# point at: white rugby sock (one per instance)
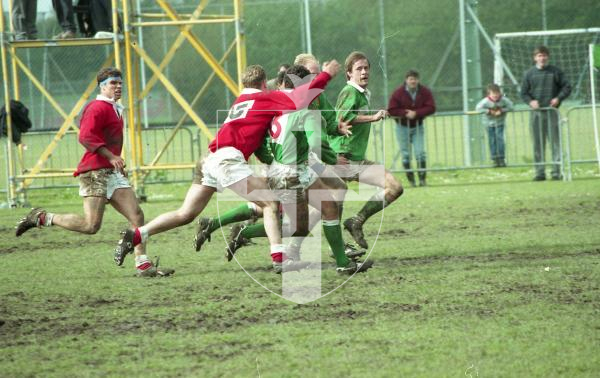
(48, 220)
(144, 234)
(142, 262)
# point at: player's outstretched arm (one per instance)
(332, 67)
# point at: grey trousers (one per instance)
(545, 127)
(24, 14)
(64, 14)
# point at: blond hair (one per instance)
(304, 59)
(254, 76)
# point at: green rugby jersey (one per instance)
(351, 102)
(293, 135)
(327, 112)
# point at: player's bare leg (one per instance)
(89, 223)
(268, 202)
(125, 202)
(195, 201)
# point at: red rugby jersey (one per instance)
(99, 126)
(251, 114)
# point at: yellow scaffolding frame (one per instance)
(18, 183)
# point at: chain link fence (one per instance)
(397, 36)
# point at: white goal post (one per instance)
(568, 50)
(594, 56)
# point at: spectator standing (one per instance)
(101, 14)
(66, 20)
(24, 14)
(410, 104)
(494, 107)
(545, 86)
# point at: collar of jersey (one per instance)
(110, 101)
(250, 91)
(358, 87)
(116, 106)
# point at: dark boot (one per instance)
(410, 175)
(422, 173)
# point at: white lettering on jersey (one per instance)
(239, 110)
(276, 127)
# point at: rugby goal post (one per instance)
(568, 50)
(575, 51)
(594, 56)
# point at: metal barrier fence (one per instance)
(580, 144)
(185, 148)
(457, 141)
(454, 141)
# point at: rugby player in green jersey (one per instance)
(291, 137)
(353, 107)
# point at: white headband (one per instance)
(109, 79)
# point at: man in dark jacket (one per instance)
(410, 104)
(545, 86)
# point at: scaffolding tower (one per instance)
(128, 55)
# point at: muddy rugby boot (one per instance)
(124, 246)
(354, 267)
(351, 251)
(150, 269)
(354, 227)
(203, 233)
(289, 265)
(236, 241)
(30, 221)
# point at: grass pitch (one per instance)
(496, 278)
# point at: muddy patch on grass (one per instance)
(226, 350)
(26, 247)
(397, 233)
(227, 320)
(483, 258)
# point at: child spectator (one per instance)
(494, 108)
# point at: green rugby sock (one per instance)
(238, 214)
(374, 205)
(254, 231)
(333, 234)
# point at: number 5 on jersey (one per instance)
(239, 110)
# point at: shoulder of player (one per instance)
(348, 91)
(96, 106)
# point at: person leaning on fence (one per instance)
(545, 86)
(102, 178)
(494, 107)
(410, 104)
